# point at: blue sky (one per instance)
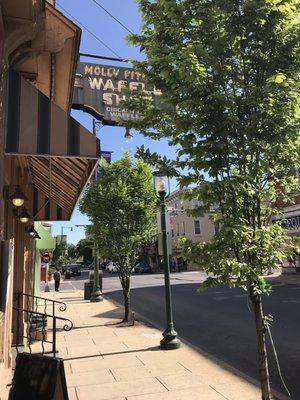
(114, 35)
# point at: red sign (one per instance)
(46, 258)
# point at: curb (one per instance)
(235, 371)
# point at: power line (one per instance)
(112, 16)
(90, 32)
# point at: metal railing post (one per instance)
(54, 337)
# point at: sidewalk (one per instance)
(104, 361)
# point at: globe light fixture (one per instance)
(18, 197)
(161, 184)
(24, 217)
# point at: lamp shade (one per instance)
(24, 217)
(128, 135)
(161, 184)
(18, 197)
(32, 232)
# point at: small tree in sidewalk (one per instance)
(122, 207)
(229, 76)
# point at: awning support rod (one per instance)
(103, 57)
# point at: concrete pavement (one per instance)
(105, 361)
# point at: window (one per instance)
(195, 204)
(183, 228)
(177, 229)
(172, 232)
(197, 227)
(217, 228)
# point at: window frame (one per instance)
(195, 221)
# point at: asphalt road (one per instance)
(219, 321)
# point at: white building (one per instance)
(180, 224)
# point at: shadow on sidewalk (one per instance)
(219, 324)
(116, 313)
(155, 348)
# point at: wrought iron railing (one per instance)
(36, 321)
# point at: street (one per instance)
(219, 321)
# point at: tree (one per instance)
(84, 248)
(59, 253)
(229, 74)
(122, 207)
(71, 252)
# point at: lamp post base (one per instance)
(170, 341)
(96, 296)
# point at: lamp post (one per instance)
(170, 340)
(96, 294)
(62, 235)
(62, 231)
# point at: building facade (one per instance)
(45, 154)
(291, 212)
(181, 224)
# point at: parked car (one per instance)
(85, 265)
(111, 268)
(72, 270)
(141, 268)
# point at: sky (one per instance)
(90, 15)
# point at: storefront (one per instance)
(44, 153)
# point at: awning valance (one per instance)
(59, 153)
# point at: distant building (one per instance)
(291, 211)
(180, 224)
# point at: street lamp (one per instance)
(128, 135)
(18, 197)
(62, 231)
(170, 340)
(24, 217)
(96, 294)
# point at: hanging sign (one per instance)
(106, 155)
(99, 90)
(293, 223)
(46, 258)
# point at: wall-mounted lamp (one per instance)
(18, 197)
(128, 135)
(31, 231)
(24, 217)
(36, 236)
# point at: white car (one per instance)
(111, 267)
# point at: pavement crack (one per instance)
(162, 383)
(140, 360)
(219, 392)
(76, 394)
(113, 375)
(185, 367)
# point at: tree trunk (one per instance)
(261, 346)
(126, 295)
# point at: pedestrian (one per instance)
(174, 264)
(56, 276)
(179, 264)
